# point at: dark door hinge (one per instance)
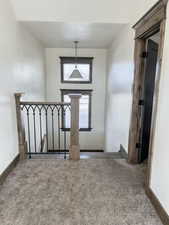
(144, 55)
(138, 145)
(141, 102)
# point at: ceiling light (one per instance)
(76, 73)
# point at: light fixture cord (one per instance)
(76, 42)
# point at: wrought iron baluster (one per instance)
(53, 131)
(59, 108)
(46, 116)
(35, 131)
(40, 127)
(28, 123)
(34, 127)
(64, 126)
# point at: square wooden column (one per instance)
(74, 151)
(20, 127)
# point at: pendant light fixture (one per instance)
(76, 73)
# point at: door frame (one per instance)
(149, 24)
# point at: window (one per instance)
(84, 65)
(85, 109)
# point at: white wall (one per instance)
(21, 70)
(95, 138)
(160, 164)
(119, 85)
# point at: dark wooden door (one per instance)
(148, 94)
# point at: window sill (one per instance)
(81, 129)
(76, 82)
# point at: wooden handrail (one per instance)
(44, 103)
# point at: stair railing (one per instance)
(39, 124)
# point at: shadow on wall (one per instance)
(119, 86)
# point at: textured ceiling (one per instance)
(62, 35)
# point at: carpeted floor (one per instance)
(88, 192)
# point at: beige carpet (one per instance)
(88, 192)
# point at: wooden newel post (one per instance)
(21, 129)
(74, 151)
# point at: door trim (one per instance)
(151, 19)
(151, 22)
